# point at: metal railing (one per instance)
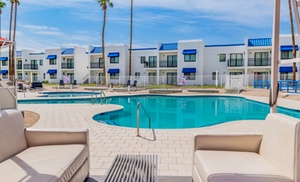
(102, 97)
(67, 65)
(259, 62)
(96, 65)
(93, 99)
(167, 64)
(138, 119)
(235, 63)
(30, 66)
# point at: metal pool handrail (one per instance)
(102, 98)
(138, 119)
(92, 97)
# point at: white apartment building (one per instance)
(200, 64)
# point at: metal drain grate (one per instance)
(133, 168)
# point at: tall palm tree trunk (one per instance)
(130, 49)
(293, 39)
(9, 37)
(103, 46)
(14, 40)
(0, 21)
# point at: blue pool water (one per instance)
(167, 112)
(66, 94)
(173, 112)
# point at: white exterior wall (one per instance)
(122, 65)
(199, 64)
(81, 64)
(47, 66)
(137, 66)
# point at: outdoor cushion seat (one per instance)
(28, 154)
(270, 156)
(49, 163)
(222, 166)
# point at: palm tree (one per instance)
(9, 37)
(130, 49)
(16, 3)
(2, 5)
(104, 4)
(293, 39)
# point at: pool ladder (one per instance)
(102, 97)
(138, 120)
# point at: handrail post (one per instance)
(138, 120)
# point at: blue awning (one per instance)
(286, 69)
(3, 58)
(113, 71)
(4, 72)
(189, 70)
(113, 54)
(51, 71)
(288, 48)
(189, 51)
(51, 57)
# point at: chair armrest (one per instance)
(38, 137)
(232, 142)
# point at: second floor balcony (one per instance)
(67, 65)
(235, 62)
(167, 64)
(30, 66)
(96, 65)
(259, 62)
(19, 66)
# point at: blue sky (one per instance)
(65, 23)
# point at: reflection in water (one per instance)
(186, 112)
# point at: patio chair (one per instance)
(61, 83)
(272, 155)
(128, 83)
(21, 87)
(74, 82)
(134, 83)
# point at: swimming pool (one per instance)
(169, 112)
(67, 94)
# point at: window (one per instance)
(152, 62)
(172, 61)
(41, 62)
(44, 76)
(222, 58)
(114, 60)
(286, 54)
(100, 62)
(4, 63)
(20, 76)
(137, 75)
(114, 76)
(236, 59)
(70, 63)
(52, 61)
(189, 57)
(261, 58)
(190, 76)
(286, 76)
(53, 75)
(214, 75)
(235, 73)
(5, 76)
(143, 59)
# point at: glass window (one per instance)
(261, 58)
(5, 76)
(286, 54)
(52, 61)
(114, 59)
(189, 57)
(53, 75)
(20, 76)
(236, 59)
(114, 76)
(214, 75)
(137, 75)
(100, 62)
(143, 59)
(152, 61)
(4, 63)
(190, 76)
(222, 58)
(44, 76)
(286, 76)
(41, 62)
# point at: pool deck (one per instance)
(173, 147)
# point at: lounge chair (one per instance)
(21, 87)
(272, 155)
(134, 83)
(61, 83)
(127, 84)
